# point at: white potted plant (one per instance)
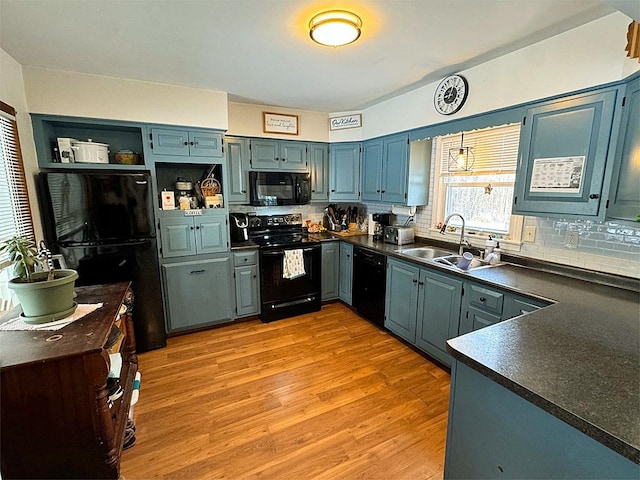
(45, 295)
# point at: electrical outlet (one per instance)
(571, 240)
(530, 234)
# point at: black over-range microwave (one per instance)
(279, 188)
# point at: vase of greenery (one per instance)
(45, 295)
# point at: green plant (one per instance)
(24, 255)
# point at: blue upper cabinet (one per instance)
(391, 175)
(117, 135)
(319, 168)
(564, 150)
(372, 170)
(394, 169)
(624, 198)
(344, 167)
(268, 155)
(186, 142)
(237, 155)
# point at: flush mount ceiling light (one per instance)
(335, 28)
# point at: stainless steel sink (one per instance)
(453, 260)
(426, 253)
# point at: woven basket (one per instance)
(210, 186)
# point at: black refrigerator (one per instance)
(103, 226)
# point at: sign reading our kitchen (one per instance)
(345, 121)
(279, 123)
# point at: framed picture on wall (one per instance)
(279, 123)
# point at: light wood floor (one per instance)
(324, 395)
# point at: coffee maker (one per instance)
(378, 222)
(239, 227)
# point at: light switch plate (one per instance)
(530, 233)
(571, 240)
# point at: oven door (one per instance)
(286, 297)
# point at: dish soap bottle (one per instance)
(498, 252)
(489, 246)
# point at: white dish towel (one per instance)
(293, 264)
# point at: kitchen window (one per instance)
(482, 194)
(15, 213)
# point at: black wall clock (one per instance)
(451, 94)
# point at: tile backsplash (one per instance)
(611, 246)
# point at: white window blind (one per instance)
(484, 194)
(15, 212)
(495, 150)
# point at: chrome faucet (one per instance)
(462, 239)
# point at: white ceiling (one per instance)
(259, 51)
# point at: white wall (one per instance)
(12, 92)
(246, 120)
(590, 55)
(82, 95)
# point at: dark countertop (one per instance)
(578, 359)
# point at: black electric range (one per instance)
(290, 266)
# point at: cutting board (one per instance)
(347, 233)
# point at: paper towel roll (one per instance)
(406, 211)
(371, 225)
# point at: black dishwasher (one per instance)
(369, 284)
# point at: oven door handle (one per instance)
(280, 252)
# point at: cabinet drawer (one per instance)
(488, 300)
(245, 258)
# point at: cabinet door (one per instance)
(346, 272)
(293, 156)
(330, 270)
(564, 146)
(477, 319)
(170, 141)
(205, 144)
(197, 293)
(265, 155)
(247, 291)
(402, 299)
(344, 183)
(624, 199)
(211, 233)
(439, 299)
(394, 169)
(515, 306)
(319, 167)
(371, 171)
(177, 237)
(237, 154)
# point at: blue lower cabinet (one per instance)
(247, 282)
(423, 307)
(484, 306)
(247, 290)
(330, 270)
(346, 272)
(494, 433)
(197, 293)
(401, 302)
(439, 301)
